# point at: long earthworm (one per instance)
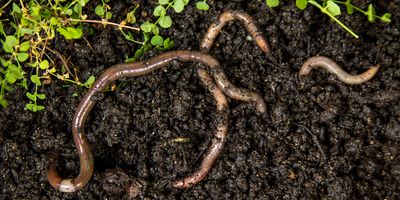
(134, 69)
(331, 66)
(205, 46)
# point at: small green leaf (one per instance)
(30, 106)
(301, 4)
(165, 21)
(108, 15)
(90, 81)
(157, 40)
(22, 57)
(78, 9)
(99, 10)
(159, 11)
(202, 5)
(76, 33)
(24, 46)
(36, 80)
(130, 17)
(68, 12)
(44, 64)
(15, 71)
(26, 31)
(35, 12)
(272, 3)
(371, 13)
(39, 108)
(178, 6)
(332, 8)
(386, 18)
(155, 30)
(146, 27)
(4, 62)
(41, 96)
(64, 33)
(30, 96)
(9, 44)
(168, 44)
(10, 77)
(163, 2)
(54, 21)
(70, 32)
(24, 84)
(16, 9)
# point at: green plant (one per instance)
(102, 10)
(332, 9)
(36, 23)
(202, 5)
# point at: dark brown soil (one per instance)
(320, 139)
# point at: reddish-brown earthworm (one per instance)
(134, 69)
(219, 76)
(331, 66)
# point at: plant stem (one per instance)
(104, 23)
(323, 10)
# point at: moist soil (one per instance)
(320, 138)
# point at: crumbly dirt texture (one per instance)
(320, 138)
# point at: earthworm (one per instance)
(217, 143)
(331, 66)
(134, 69)
(219, 76)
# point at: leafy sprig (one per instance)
(36, 24)
(332, 9)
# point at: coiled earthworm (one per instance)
(219, 76)
(140, 68)
(331, 66)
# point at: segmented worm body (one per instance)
(331, 66)
(134, 69)
(219, 76)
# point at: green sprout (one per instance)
(332, 9)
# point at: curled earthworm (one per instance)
(134, 69)
(331, 66)
(219, 76)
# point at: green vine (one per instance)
(332, 9)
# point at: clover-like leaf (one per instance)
(272, 3)
(22, 57)
(24, 46)
(202, 5)
(159, 11)
(386, 18)
(371, 13)
(332, 8)
(31, 96)
(99, 10)
(157, 40)
(165, 22)
(178, 6)
(44, 64)
(36, 80)
(301, 4)
(146, 27)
